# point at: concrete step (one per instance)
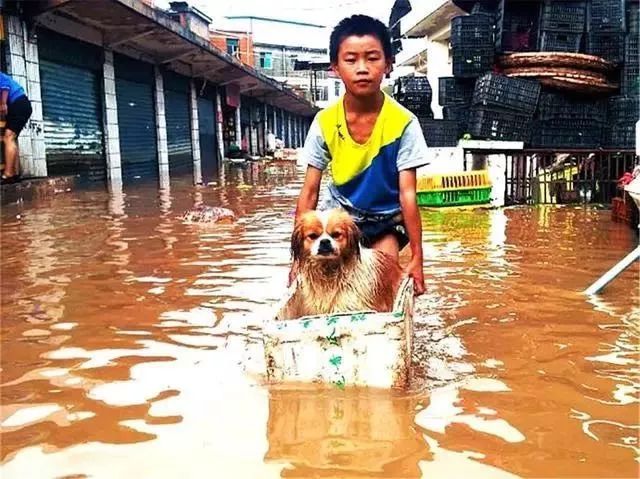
(36, 188)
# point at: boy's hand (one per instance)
(414, 270)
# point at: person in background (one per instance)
(15, 109)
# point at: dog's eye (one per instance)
(313, 236)
(336, 235)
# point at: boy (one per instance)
(372, 147)
(16, 108)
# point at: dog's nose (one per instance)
(324, 247)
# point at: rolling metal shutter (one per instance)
(270, 125)
(137, 119)
(279, 124)
(207, 126)
(72, 106)
(287, 136)
(176, 103)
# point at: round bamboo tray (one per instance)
(555, 59)
(578, 85)
(550, 72)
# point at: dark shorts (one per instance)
(373, 230)
(18, 114)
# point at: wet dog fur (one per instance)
(335, 273)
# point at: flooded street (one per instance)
(131, 345)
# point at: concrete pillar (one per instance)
(24, 66)
(253, 144)
(284, 140)
(497, 165)
(275, 122)
(195, 134)
(161, 130)
(238, 126)
(297, 123)
(219, 133)
(111, 130)
(265, 128)
(289, 131)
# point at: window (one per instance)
(336, 87)
(232, 46)
(321, 93)
(265, 60)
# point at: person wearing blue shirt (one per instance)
(15, 108)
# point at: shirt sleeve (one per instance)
(413, 147)
(315, 151)
(4, 82)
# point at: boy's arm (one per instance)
(413, 225)
(308, 199)
(316, 156)
(413, 154)
(4, 97)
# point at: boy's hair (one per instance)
(359, 25)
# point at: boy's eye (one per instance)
(313, 236)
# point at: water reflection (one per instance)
(332, 433)
(132, 344)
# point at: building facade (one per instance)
(236, 44)
(427, 50)
(124, 92)
(278, 44)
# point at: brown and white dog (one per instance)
(335, 273)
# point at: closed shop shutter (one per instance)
(287, 137)
(176, 107)
(270, 125)
(279, 124)
(136, 116)
(72, 107)
(207, 127)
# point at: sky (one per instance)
(323, 12)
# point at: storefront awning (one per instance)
(133, 28)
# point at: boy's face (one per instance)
(361, 64)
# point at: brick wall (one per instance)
(245, 44)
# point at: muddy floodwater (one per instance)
(131, 345)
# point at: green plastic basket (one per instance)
(467, 196)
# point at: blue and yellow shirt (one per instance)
(364, 178)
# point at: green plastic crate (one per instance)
(467, 196)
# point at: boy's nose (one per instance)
(362, 66)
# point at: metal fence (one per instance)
(578, 176)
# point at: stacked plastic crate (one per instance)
(606, 30)
(454, 95)
(563, 26)
(517, 26)
(503, 108)
(568, 121)
(414, 93)
(623, 109)
(472, 45)
(455, 189)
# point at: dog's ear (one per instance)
(297, 241)
(354, 236)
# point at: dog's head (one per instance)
(325, 236)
